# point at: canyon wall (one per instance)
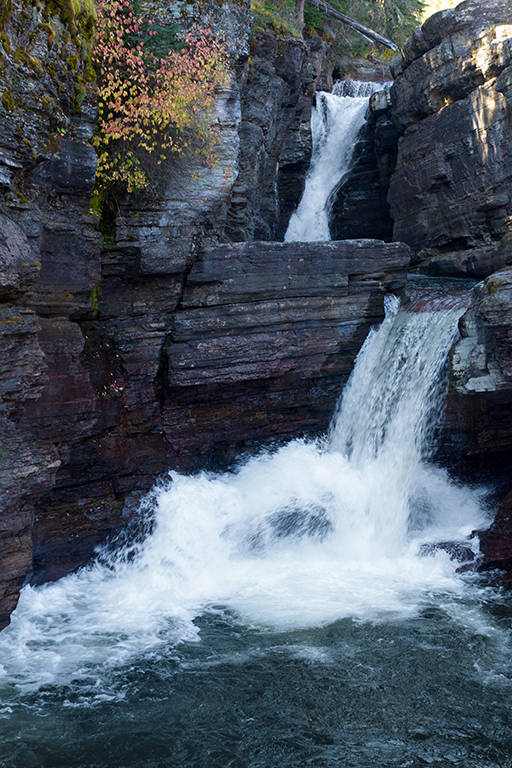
(451, 200)
(179, 334)
(155, 341)
(49, 259)
(450, 195)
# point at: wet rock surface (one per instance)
(496, 543)
(478, 416)
(264, 338)
(360, 207)
(451, 200)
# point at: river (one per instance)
(293, 612)
(312, 607)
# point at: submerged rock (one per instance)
(496, 543)
(455, 549)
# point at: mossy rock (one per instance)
(5, 42)
(5, 12)
(7, 100)
(24, 58)
(76, 15)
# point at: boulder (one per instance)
(496, 542)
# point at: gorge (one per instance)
(289, 592)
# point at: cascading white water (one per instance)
(335, 123)
(301, 537)
(382, 421)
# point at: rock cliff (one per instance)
(450, 196)
(166, 345)
(451, 200)
(49, 262)
(360, 208)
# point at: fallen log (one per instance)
(368, 33)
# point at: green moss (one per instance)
(24, 58)
(72, 62)
(5, 42)
(266, 16)
(49, 30)
(95, 297)
(89, 74)
(51, 70)
(79, 16)
(7, 100)
(79, 92)
(5, 12)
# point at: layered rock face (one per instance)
(496, 543)
(273, 99)
(450, 196)
(48, 253)
(264, 337)
(295, 152)
(451, 199)
(360, 208)
(168, 346)
(479, 408)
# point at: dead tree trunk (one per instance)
(300, 13)
(330, 11)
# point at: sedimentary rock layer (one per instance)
(450, 196)
(479, 416)
(264, 337)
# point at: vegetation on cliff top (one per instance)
(393, 19)
(156, 95)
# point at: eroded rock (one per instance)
(264, 338)
(450, 195)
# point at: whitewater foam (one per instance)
(309, 534)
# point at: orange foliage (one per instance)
(149, 107)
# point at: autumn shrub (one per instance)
(152, 104)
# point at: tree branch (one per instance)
(330, 11)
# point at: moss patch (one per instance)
(24, 58)
(7, 100)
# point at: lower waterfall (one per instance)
(293, 612)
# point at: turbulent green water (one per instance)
(431, 690)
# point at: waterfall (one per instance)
(300, 537)
(336, 120)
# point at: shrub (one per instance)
(151, 105)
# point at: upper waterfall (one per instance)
(336, 120)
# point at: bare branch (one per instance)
(368, 33)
